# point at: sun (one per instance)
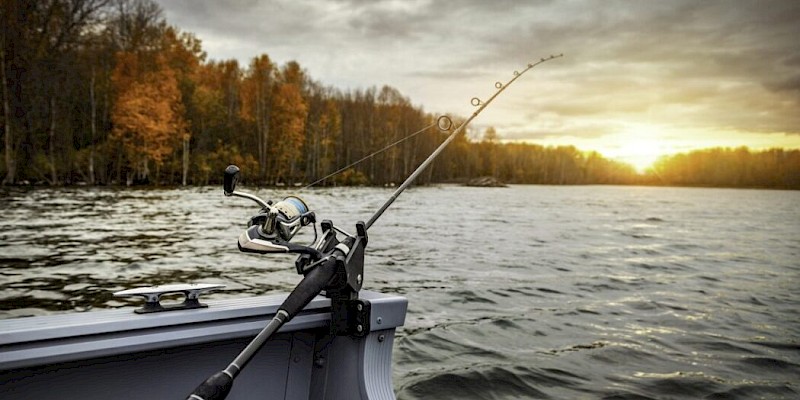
(641, 154)
(634, 143)
(640, 146)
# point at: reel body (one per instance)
(281, 221)
(329, 265)
(272, 229)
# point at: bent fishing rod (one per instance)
(327, 264)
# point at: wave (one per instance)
(487, 381)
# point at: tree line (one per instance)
(729, 167)
(106, 92)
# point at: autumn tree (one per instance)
(99, 91)
(288, 123)
(38, 45)
(182, 53)
(358, 113)
(208, 120)
(330, 130)
(148, 115)
(322, 131)
(257, 94)
(134, 26)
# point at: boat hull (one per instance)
(117, 354)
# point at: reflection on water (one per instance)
(529, 291)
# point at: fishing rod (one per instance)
(327, 264)
(475, 102)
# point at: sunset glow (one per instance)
(638, 80)
(638, 150)
(639, 147)
(642, 145)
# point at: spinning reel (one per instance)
(327, 265)
(273, 227)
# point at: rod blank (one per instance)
(482, 105)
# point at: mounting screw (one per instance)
(359, 278)
(380, 320)
(360, 328)
(360, 307)
(381, 338)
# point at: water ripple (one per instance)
(535, 292)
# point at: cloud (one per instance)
(790, 84)
(687, 64)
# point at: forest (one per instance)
(107, 92)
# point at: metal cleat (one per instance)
(152, 296)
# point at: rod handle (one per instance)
(313, 283)
(216, 387)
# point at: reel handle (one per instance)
(230, 180)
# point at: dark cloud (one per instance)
(790, 84)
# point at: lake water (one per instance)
(521, 292)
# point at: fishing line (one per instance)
(329, 264)
(476, 102)
(340, 170)
(444, 123)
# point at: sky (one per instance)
(639, 79)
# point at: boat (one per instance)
(326, 339)
(119, 354)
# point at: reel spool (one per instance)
(282, 220)
(286, 217)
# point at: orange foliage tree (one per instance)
(328, 127)
(289, 112)
(257, 89)
(147, 115)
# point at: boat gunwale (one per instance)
(35, 341)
